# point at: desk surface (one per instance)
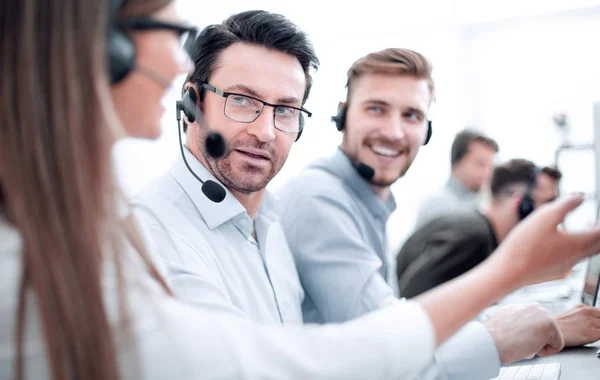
(580, 363)
(577, 363)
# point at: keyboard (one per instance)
(549, 371)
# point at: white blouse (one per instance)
(174, 340)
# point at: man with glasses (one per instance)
(251, 79)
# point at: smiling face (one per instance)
(386, 123)
(257, 150)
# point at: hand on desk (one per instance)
(522, 331)
(580, 325)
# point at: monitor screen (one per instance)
(590, 287)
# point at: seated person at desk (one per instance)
(80, 296)
(232, 255)
(334, 214)
(472, 159)
(452, 244)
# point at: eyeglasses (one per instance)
(187, 34)
(246, 109)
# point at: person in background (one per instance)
(472, 160)
(455, 243)
(81, 297)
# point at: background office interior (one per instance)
(504, 67)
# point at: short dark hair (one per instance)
(516, 172)
(262, 28)
(464, 139)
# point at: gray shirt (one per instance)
(454, 196)
(335, 225)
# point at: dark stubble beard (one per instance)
(222, 167)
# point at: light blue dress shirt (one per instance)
(335, 225)
(210, 254)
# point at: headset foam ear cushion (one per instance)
(301, 122)
(189, 104)
(121, 55)
(340, 118)
(429, 132)
(525, 207)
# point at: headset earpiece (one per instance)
(429, 131)
(189, 103)
(340, 118)
(120, 48)
(526, 206)
(301, 121)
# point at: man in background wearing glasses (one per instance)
(252, 78)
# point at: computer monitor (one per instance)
(592, 282)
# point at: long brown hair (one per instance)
(57, 128)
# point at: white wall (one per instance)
(521, 72)
(504, 69)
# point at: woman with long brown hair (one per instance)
(80, 297)
(58, 129)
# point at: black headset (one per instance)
(190, 102)
(340, 122)
(527, 204)
(120, 47)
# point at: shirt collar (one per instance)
(340, 165)
(458, 188)
(214, 214)
(269, 206)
